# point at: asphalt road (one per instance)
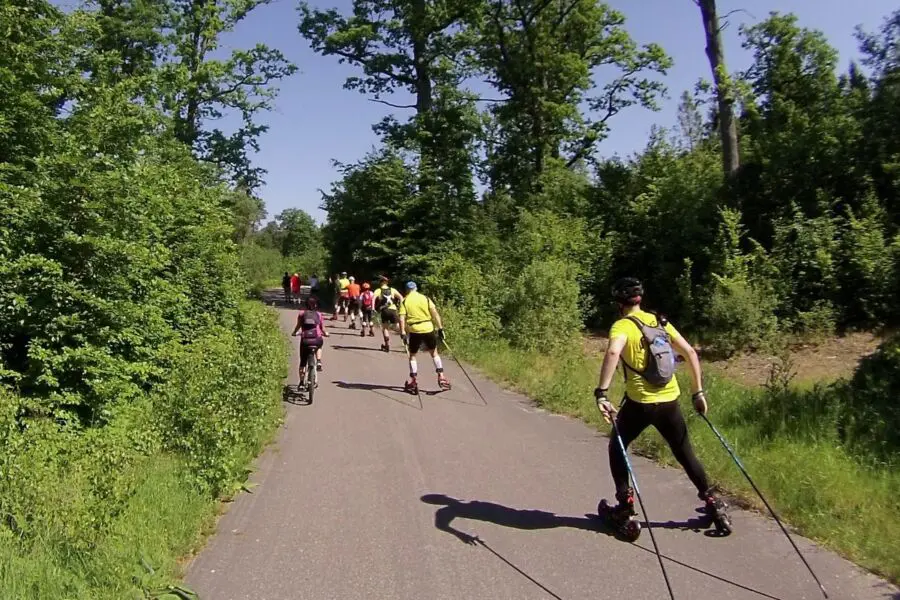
(369, 493)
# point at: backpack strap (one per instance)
(625, 366)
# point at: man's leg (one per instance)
(669, 421)
(631, 421)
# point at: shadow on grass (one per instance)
(531, 519)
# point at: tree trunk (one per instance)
(724, 96)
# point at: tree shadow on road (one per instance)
(532, 519)
(292, 394)
(376, 388)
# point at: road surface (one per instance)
(369, 493)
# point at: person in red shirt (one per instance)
(353, 292)
(295, 287)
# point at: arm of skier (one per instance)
(607, 370)
(690, 355)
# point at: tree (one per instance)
(200, 89)
(543, 57)
(417, 48)
(724, 89)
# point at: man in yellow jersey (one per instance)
(387, 301)
(418, 316)
(646, 344)
(342, 302)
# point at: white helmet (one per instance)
(352, 278)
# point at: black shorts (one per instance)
(307, 347)
(367, 314)
(389, 316)
(342, 301)
(354, 304)
(417, 339)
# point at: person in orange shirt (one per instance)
(353, 291)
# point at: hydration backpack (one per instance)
(386, 300)
(310, 324)
(368, 299)
(660, 367)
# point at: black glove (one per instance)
(441, 335)
(700, 402)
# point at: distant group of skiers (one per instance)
(413, 314)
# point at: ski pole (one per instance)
(637, 492)
(740, 465)
(461, 368)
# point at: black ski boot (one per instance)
(385, 347)
(718, 510)
(622, 516)
(411, 386)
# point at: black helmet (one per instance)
(627, 290)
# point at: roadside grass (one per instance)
(112, 513)
(849, 502)
(139, 551)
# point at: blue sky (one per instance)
(316, 120)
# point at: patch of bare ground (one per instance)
(832, 359)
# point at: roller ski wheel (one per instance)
(718, 510)
(624, 524)
(411, 387)
(444, 383)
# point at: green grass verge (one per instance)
(161, 522)
(844, 502)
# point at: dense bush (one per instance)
(129, 361)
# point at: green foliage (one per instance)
(541, 310)
(135, 384)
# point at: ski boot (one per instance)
(385, 347)
(443, 382)
(718, 510)
(411, 386)
(352, 324)
(371, 331)
(362, 332)
(621, 517)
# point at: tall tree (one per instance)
(207, 88)
(415, 48)
(725, 94)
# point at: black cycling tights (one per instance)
(666, 417)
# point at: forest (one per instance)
(139, 376)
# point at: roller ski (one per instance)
(411, 386)
(621, 518)
(362, 332)
(717, 509)
(443, 382)
(385, 347)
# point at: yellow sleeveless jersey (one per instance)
(416, 308)
(635, 356)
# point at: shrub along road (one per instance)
(369, 493)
